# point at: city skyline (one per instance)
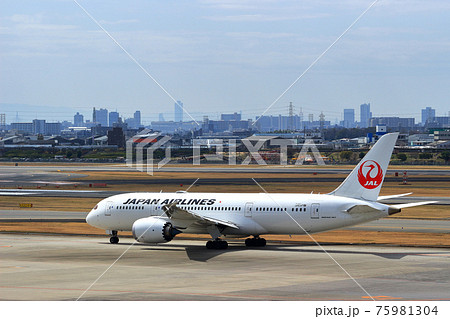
(358, 116)
(224, 56)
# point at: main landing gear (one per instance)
(217, 244)
(256, 241)
(114, 239)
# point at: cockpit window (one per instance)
(96, 206)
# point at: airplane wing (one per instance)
(184, 217)
(392, 196)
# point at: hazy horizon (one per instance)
(224, 56)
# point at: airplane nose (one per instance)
(92, 217)
(89, 218)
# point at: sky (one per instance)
(222, 56)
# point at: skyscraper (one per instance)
(78, 120)
(113, 118)
(365, 114)
(428, 114)
(100, 117)
(137, 119)
(349, 118)
(2, 121)
(178, 112)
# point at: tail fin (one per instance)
(365, 181)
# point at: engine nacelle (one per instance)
(153, 230)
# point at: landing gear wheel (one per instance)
(114, 240)
(217, 244)
(255, 242)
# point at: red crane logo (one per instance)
(370, 174)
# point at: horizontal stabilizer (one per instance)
(392, 196)
(400, 206)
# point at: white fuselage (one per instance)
(255, 214)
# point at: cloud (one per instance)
(236, 4)
(119, 22)
(26, 18)
(265, 17)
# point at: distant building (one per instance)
(52, 129)
(78, 120)
(116, 137)
(172, 127)
(225, 126)
(230, 117)
(439, 122)
(137, 119)
(442, 135)
(428, 114)
(22, 127)
(113, 118)
(271, 123)
(178, 113)
(100, 117)
(365, 115)
(2, 121)
(396, 123)
(349, 118)
(161, 117)
(381, 129)
(131, 122)
(38, 127)
(66, 124)
(282, 123)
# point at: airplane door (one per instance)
(315, 211)
(109, 207)
(248, 210)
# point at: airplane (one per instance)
(158, 217)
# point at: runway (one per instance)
(38, 267)
(437, 226)
(7, 216)
(32, 176)
(278, 169)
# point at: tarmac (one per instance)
(46, 267)
(71, 267)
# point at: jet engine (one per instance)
(154, 230)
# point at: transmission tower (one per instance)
(291, 116)
(2, 121)
(322, 122)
